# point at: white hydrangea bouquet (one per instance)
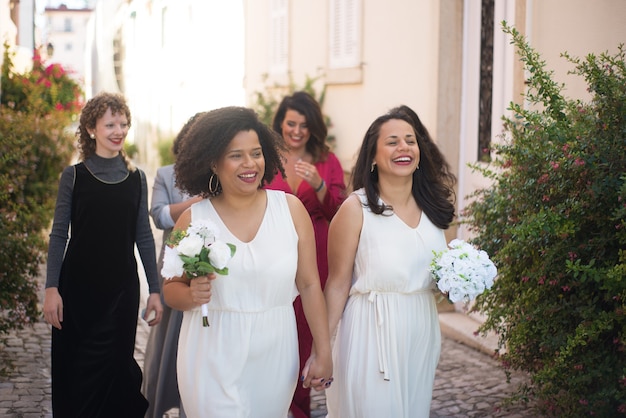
(197, 252)
(462, 271)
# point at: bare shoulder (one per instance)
(352, 206)
(350, 213)
(296, 207)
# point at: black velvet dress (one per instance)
(94, 373)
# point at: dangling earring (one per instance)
(214, 184)
(92, 136)
(373, 166)
(418, 167)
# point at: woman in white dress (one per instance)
(245, 364)
(379, 293)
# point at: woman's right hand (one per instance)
(201, 289)
(53, 307)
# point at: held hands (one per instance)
(317, 372)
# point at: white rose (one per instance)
(190, 245)
(172, 264)
(219, 254)
(205, 228)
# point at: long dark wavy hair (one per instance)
(303, 103)
(433, 183)
(93, 110)
(206, 142)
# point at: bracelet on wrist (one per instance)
(319, 188)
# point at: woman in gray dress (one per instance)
(160, 385)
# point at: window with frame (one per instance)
(279, 37)
(345, 34)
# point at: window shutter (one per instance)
(345, 34)
(278, 37)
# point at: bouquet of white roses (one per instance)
(196, 252)
(462, 271)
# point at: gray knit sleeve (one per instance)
(60, 227)
(145, 239)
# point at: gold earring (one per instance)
(214, 184)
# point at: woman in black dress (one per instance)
(92, 287)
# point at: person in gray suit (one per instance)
(160, 385)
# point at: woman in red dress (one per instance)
(315, 176)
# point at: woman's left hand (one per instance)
(309, 173)
(154, 304)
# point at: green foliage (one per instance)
(554, 222)
(44, 89)
(35, 146)
(131, 149)
(165, 152)
(266, 102)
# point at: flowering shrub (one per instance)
(554, 222)
(46, 88)
(36, 145)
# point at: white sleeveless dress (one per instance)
(388, 341)
(245, 364)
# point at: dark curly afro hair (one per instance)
(206, 142)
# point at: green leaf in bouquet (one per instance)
(175, 237)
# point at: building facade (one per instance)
(447, 59)
(170, 58)
(17, 30)
(63, 38)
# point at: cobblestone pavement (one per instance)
(468, 382)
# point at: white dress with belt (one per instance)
(388, 341)
(245, 364)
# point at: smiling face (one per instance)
(110, 132)
(242, 166)
(295, 130)
(397, 152)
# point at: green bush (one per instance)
(44, 89)
(36, 145)
(554, 222)
(165, 151)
